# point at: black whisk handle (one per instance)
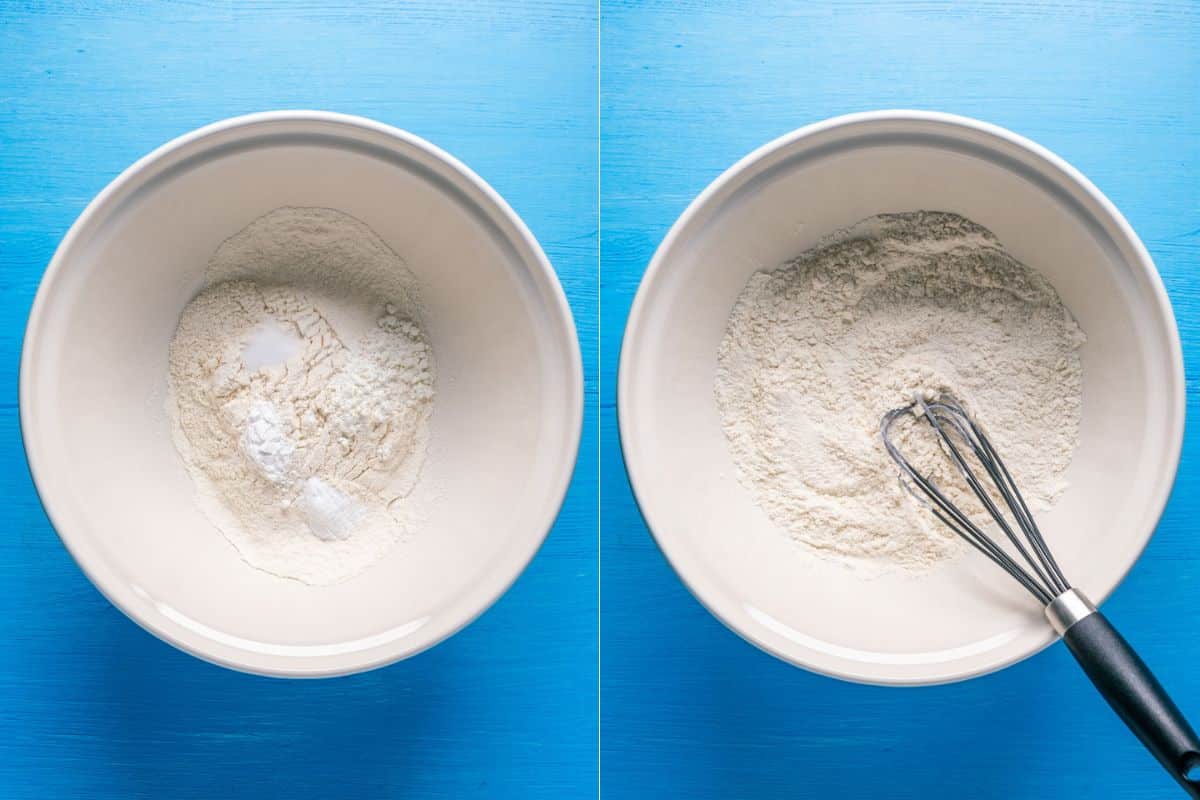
(1135, 694)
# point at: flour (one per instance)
(301, 391)
(817, 350)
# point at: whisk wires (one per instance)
(965, 443)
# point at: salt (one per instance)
(329, 513)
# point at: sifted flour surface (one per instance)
(817, 350)
(301, 390)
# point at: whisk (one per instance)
(1017, 547)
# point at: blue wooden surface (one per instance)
(688, 709)
(93, 707)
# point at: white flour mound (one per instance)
(817, 350)
(304, 435)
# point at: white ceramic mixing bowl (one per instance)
(506, 422)
(967, 617)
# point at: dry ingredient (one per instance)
(817, 350)
(301, 391)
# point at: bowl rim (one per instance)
(541, 271)
(951, 124)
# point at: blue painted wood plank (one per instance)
(688, 709)
(91, 706)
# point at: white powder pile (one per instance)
(817, 350)
(301, 391)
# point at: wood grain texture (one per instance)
(93, 707)
(688, 709)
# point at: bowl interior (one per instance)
(504, 430)
(965, 617)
